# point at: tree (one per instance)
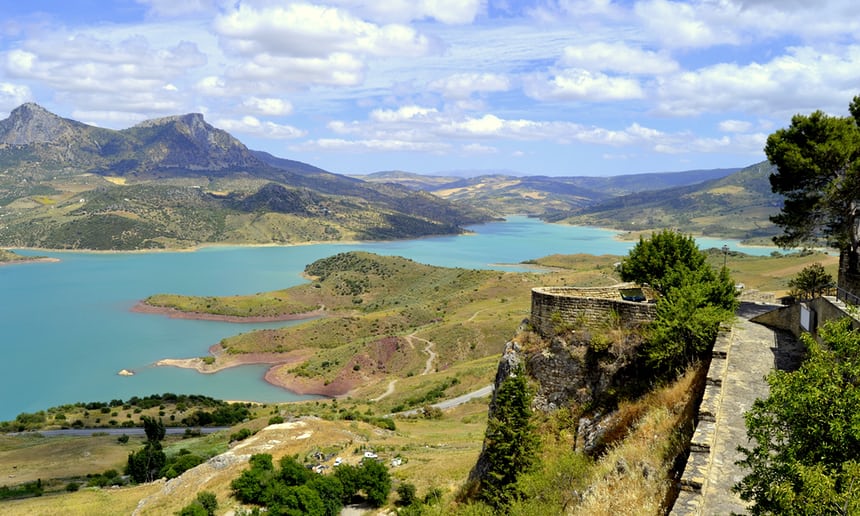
(806, 433)
(818, 171)
(153, 429)
(694, 298)
(406, 494)
(510, 442)
(146, 464)
(662, 259)
(811, 282)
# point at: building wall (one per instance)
(591, 305)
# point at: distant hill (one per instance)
(177, 182)
(735, 206)
(537, 195)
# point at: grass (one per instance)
(480, 311)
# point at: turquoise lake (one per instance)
(66, 328)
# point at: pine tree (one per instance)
(510, 443)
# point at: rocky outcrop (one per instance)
(31, 123)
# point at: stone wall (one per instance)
(694, 478)
(824, 309)
(586, 305)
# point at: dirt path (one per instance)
(428, 348)
(388, 392)
(428, 366)
(470, 319)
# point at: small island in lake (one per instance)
(8, 257)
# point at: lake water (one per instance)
(66, 328)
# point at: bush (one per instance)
(406, 494)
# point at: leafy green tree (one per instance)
(811, 282)
(375, 482)
(510, 442)
(686, 324)
(694, 298)
(146, 465)
(662, 260)
(280, 498)
(818, 171)
(252, 483)
(292, 473)
(153, 429)
(806, 433)
(330, 491)
(205, 505)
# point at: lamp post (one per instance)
(725, 255)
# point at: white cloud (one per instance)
(97, 75)
(108, 118)
(802, 80)
(372, 145)
(267, 106)
(579, 84)
(445, 11)
(686, 25)
(305, 30)
(13, 95)
(271, 73)
(173, 8)
(477, 148)
(401, 114)
(734, 126)
(463, 85)
(617, 57)
(264, 129)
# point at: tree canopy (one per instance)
(812, 281)
(818, 171)
(662, 260)
(694, 300)
(510, 442)
(806, 434)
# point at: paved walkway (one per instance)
(755, 351)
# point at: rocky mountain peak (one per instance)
(31, 123)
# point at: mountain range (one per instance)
(177, 182)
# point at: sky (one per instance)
(531, 87)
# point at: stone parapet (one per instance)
(695, 477)
(552, 305)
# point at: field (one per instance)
(436, 340)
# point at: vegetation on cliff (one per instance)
(805, 435)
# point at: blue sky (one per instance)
(553, 87)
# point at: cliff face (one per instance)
(587, 370)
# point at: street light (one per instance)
(725, 255)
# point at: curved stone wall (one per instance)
(587, 305)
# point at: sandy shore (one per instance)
(144, 308)
(42, 259)
(226, 361)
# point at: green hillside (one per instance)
(736, 206)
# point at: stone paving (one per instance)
(735, 380)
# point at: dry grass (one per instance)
(631, 478)
(85, 502)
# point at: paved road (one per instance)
(86, 432)
(453, 402)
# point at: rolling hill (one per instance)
(177, 182)
(537, 195)
(734, 206)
